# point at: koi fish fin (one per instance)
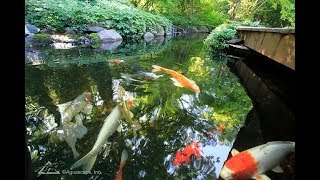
(80, 131)
(87, 109)
(277, 169)
(156, 68)
(78, 119)
(176, 83)
(234, 152)
(107, 149)
(261, 177)
(119, 129)
(130, 114)
(158, 76)
(124, 156)
(87, 161)
(62, 107)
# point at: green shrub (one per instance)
(129, 21)
(96, 40)
(226, 31)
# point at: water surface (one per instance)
(171, 117)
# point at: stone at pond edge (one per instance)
(148, 36)
(109, 36)
(30, 29)
(37, 40)
(191, 30)
(158, 31)
(110, 46)
(203, 29)
(93, 29)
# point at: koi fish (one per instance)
(252, 163)
(183, 156)
(73, 131)
(115, 61)
(141, 75)
(124, 157)
(75, 107)
(125, 107)
(110, 125)
(178, 79)
(220, 128)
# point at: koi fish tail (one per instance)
(87, 161)
(156, 68)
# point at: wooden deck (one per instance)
(276, 43)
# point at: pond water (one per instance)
(171, 117)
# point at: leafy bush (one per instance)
(226, 31)
(126, 19)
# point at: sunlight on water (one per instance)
(162, 120)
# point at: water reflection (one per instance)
(171, 117)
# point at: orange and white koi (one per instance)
(178, 79)
(124, 157)
(115, 61)
(253, 162)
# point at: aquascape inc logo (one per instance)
(49, 168)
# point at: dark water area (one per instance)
(171, 117)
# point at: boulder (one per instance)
(109, 36)
(191, 30)
(148, 36)
(93, 29)
(203, 29)
(110, 46)
(30, 29)
(158, 31)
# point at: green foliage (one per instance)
(274, 13)
(270, 12)
(41, 39)
(96, 39)
(188, 13)
(126, 19)
(216, 39)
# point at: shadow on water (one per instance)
(171, 117)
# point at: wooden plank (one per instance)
(265, 29)
(269, 44)
(285, 52)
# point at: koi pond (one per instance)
(181, 134)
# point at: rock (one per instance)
(158, 31)
(110, 46)
(34, 57)
(203, 29)
(41, 40)
(109, 36)
(148, 36)
(30, 29)
(191, 30)
(28, 41)
(84, 41)
(47, 30)
(93, 29)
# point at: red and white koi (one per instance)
(252, 163)
(124, 157)
(183, 155)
